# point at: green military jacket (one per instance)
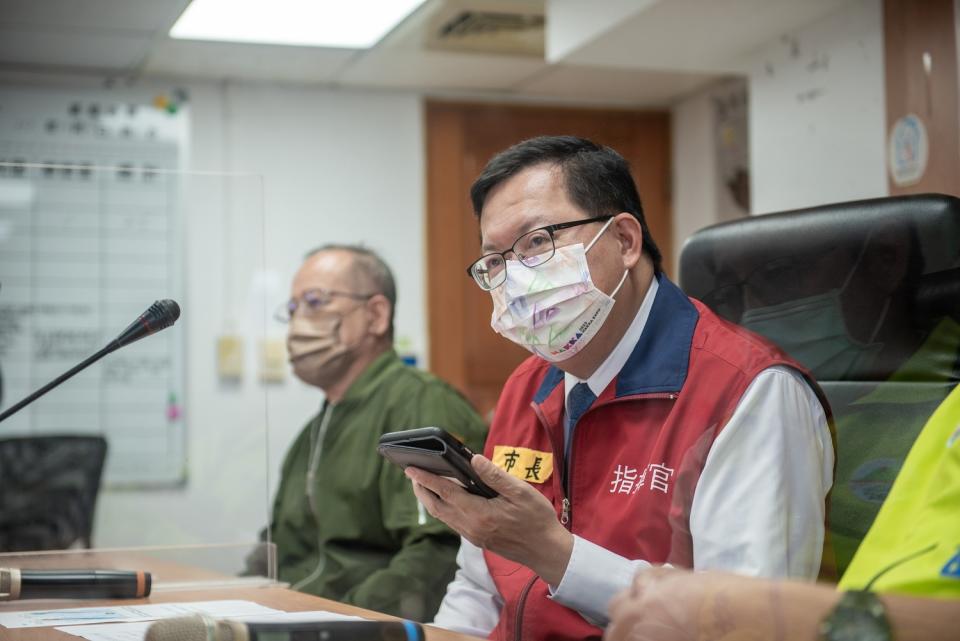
(365, 539)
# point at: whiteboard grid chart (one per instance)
(89, 238)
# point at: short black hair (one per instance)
(597, 179)
(369, 267)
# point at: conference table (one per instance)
(269, 595)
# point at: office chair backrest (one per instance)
(867, 295)
(48, 491)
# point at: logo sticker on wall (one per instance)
(907, 150)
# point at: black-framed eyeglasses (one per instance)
(313, 302)
(532, 249)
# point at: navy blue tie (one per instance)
(579, 401)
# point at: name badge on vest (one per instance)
(528, 465)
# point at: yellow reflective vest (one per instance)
(913, 546)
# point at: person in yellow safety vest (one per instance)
(913, 546)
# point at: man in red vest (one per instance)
(643, 430)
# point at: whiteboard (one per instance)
(90, 236)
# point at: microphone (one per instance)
(18, 584)
(160, 315)
(200, 627)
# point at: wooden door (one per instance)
(461, 138)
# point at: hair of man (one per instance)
(597, 179)
(369, 273)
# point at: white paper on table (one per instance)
(137, 631)
(298, 617)
(130, 613)
(110, 631)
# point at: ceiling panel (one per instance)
(141, 15)
(574, 23)
(438, 70)
(246, 61)
(121, 50)
(598, 85)
(694, 35)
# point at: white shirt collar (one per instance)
(615, 361)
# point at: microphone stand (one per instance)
(113, 346)
(160, 315)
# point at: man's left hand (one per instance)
(520, 524)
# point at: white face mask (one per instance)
(553, 309)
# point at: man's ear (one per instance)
(629, 235)
(378, 310)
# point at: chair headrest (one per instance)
(888, 269)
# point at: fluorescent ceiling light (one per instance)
(352, 24)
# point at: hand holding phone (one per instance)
(435, 450)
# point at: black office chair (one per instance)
(48, 491)
(867, 295)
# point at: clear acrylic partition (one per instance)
(85, 248)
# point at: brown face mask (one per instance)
(318, 356)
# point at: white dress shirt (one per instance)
(758, 508)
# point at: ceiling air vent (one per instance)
(491, 32)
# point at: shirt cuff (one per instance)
(593, 576)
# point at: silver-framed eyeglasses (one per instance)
(533, 248)
(313, 302)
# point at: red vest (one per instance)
(636, 455)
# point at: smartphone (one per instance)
(435, 450)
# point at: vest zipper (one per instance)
(558, 467)
(566, 504)
(522, 601)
